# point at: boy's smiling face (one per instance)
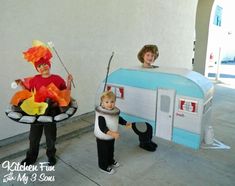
(148, 58)
(108, 103)
(43, 69)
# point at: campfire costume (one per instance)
(43, 102)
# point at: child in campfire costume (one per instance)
(106, 131)
(46, 88)
(147, 55)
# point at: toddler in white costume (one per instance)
(106, 131)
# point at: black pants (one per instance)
(105, 150)
(35, 137)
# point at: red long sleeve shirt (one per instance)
(38, 81)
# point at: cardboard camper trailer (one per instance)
(175, 102)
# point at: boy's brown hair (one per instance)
(108, 94)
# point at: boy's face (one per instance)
(43, 69)
(108, 103)
(148, 58)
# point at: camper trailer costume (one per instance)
(176, 102)
(106, 120)
(44, 101)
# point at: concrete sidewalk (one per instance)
(171, 164)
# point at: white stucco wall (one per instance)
(85, 32)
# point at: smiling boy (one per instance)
(147, 56)
(106, 131)
(40, 57)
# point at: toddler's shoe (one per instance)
(115, 164)
(109, 170)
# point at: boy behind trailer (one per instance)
(147, 55)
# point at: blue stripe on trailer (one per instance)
(186, 138)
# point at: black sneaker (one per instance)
(154, 144)
(115, 164)
(148, 147)
(52, 161)
(27, 162)
(109, 170)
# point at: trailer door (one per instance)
(164, 116)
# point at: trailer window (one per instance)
(186, 105)
(118, 91)
(165, 103)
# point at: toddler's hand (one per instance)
(128, 125)
(115, 135)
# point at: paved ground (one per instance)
(171, 164)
